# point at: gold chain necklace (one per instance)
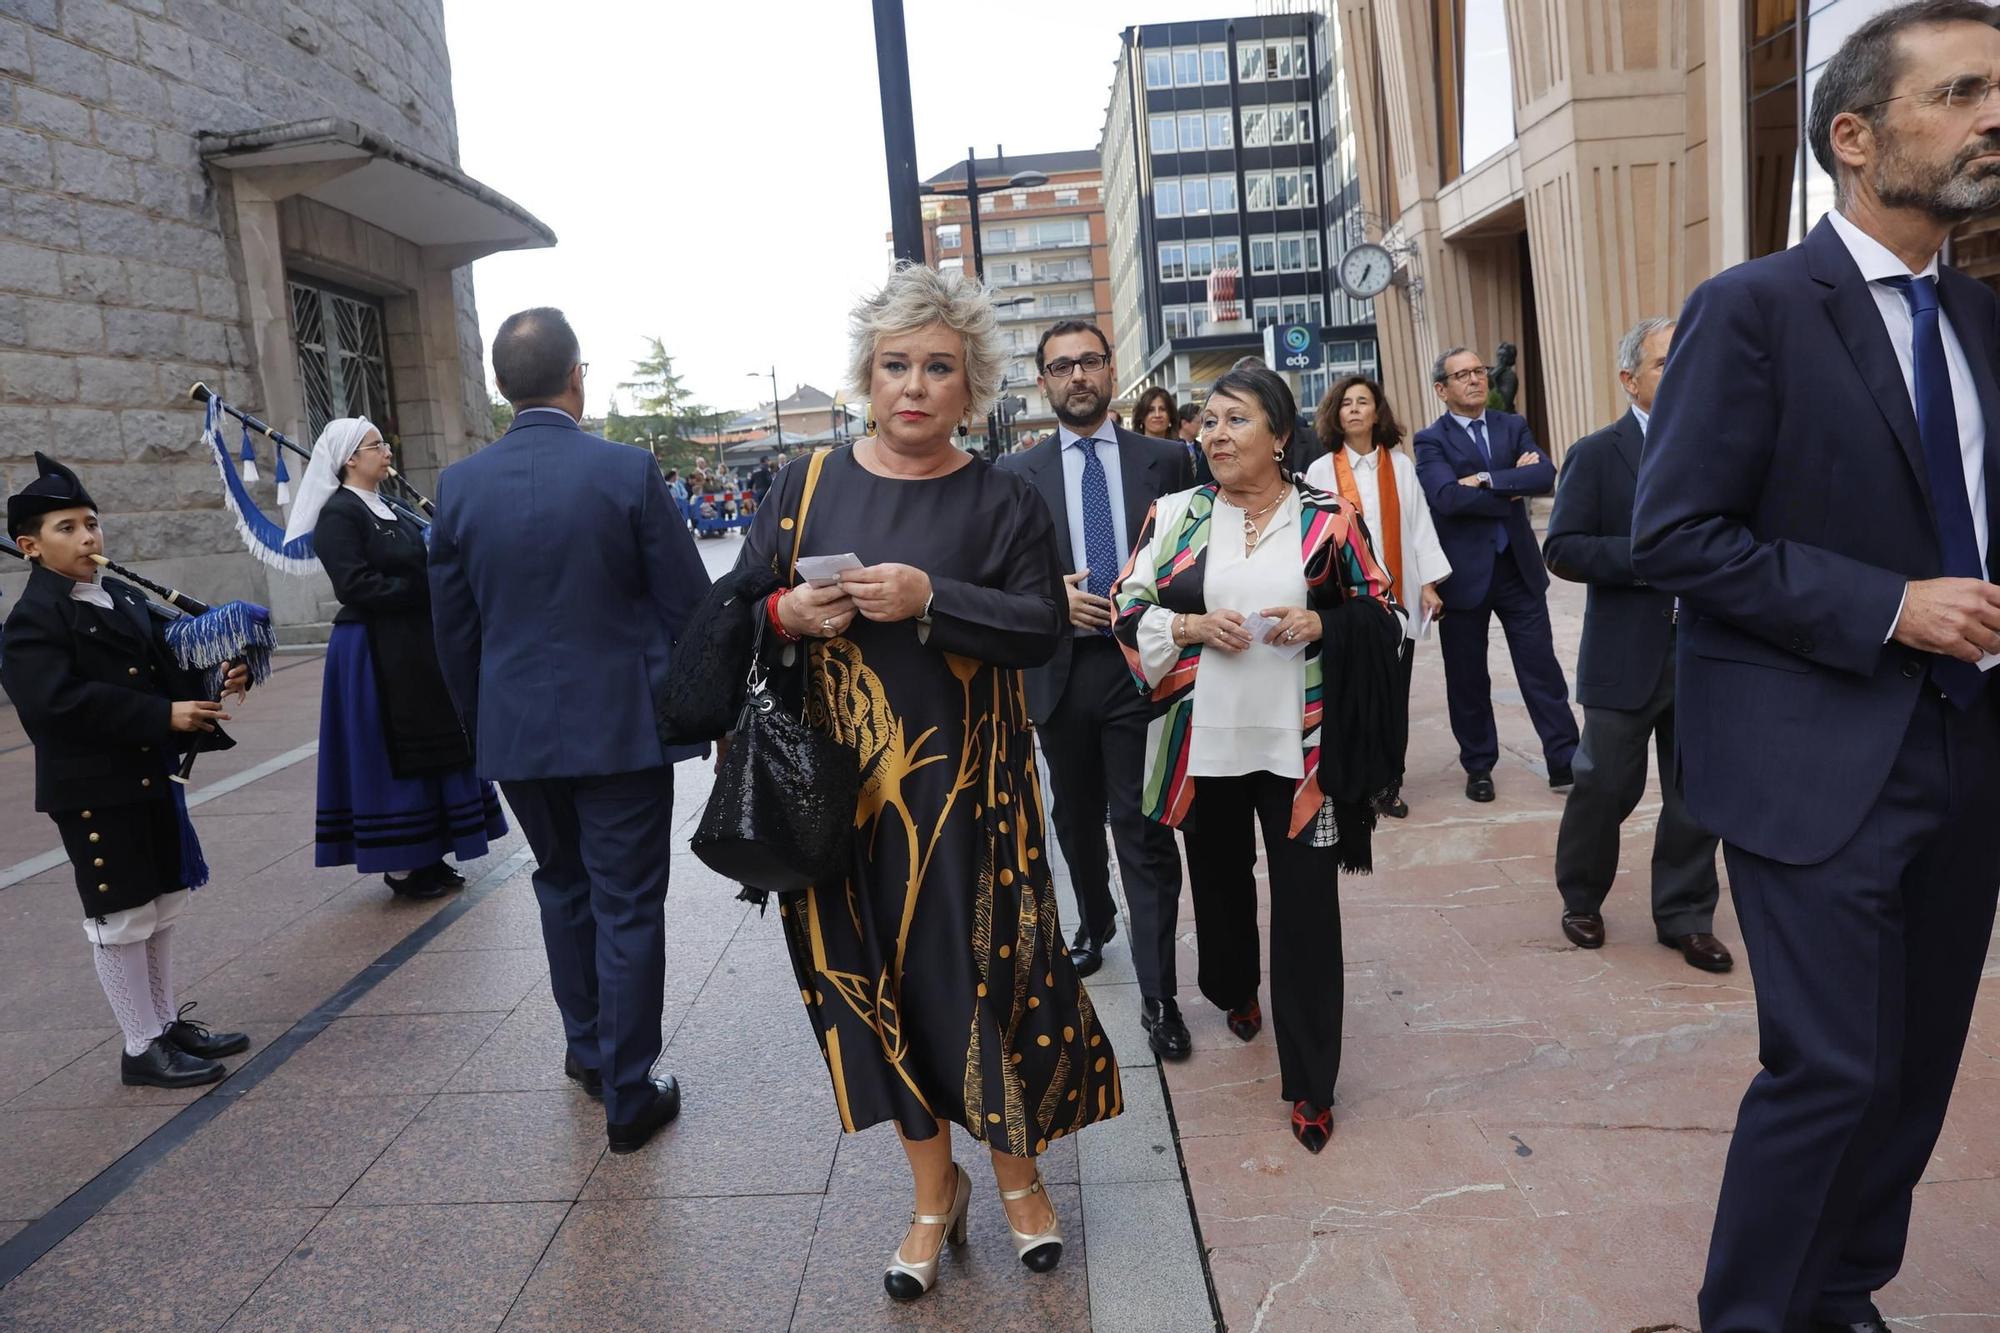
(1251, 534)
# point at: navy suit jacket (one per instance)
(1470, 519)
(561, 574)
(1783, 498)
(1147, 469)
(1628, 626)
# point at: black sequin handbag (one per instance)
(781, 814)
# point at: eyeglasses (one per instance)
(582, 369)
(1469, 374)
(1064, 366)
(1965, 93)
(379, 444)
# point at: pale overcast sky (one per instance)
(714, 172)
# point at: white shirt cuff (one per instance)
(1897, 619)
(1157, 650)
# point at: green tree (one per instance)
(501, 413)
(658, 388)
(665, 417)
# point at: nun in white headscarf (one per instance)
(397, 792)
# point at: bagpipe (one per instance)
(264, 535)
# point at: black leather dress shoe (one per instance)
(1392, 804)
(1873, 1325)
(1086, 954)
(1561, 779)
(195, 1038)
(1479, 787)
(1706, 952)
(631, 1135)
(447, 876)
(165, 1065)
(1166, 1031)
(1584, 929)
(589, 1080)
(418, 885)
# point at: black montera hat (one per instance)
(56, 488)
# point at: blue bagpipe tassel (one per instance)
(249, 459)
(194, 867)
(284, 480)
(233, 632)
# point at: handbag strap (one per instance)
(813, 467)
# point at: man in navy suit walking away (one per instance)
(561, 574)
(1819, 489)
(1477, 468)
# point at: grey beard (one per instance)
(1949, 194)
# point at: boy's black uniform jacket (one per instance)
(95, 690)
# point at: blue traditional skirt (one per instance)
(368, 817)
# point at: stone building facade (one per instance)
(255, 194)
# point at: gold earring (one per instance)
(871, 425)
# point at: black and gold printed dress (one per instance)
(935, 975)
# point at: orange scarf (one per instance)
(1390, 531)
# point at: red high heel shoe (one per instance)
(1246, 1021)
(1312, 1128)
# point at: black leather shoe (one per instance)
(447, 876)
(1479, 787)
(589, 1080)
(1167, 1031)
(1874, 1325)
(1086, 954)
(165, 1065)
(195, 1038)
(1584, 929)
(1704, 951)
(1246, 1020)
(1392, 804)
(418, 885)
(1561, 779)
(631, 1135)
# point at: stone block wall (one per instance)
(120, 280)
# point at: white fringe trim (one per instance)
(275, 559)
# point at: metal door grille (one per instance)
(343, 365)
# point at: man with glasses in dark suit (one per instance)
(1099, 481)
(1477, 468)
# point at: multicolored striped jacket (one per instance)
(1167, 570)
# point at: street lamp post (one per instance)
(1020, 180)
(777, 418)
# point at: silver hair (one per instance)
(1632, 347)
(918, 296)
(1437, 366)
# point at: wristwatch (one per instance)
(1485, 479)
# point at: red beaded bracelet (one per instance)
(777, 623)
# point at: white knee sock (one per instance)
(160, 973)
(122, 971)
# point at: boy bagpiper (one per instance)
(109, 710)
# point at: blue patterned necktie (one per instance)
(1944, 466)
(1100, 535)
(1486, 452)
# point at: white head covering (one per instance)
(336, 445)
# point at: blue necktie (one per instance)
(1100, 536)
(1937, 429)
(1486, 452)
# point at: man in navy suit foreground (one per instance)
(561, 573)
(1818, 489)
(1477, 469)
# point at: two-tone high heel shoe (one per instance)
(1042, 1250)
(907, 1279)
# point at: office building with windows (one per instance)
(265, 201)
(1551, 175)
(1044, 253)
(1230, 190)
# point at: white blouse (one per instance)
(1249, 707)
(376, 504)
(1423, 555)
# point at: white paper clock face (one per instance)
(1365, 271)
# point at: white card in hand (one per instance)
(820, 570)
(1257, 626)
(1988, 662)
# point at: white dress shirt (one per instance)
(1643, 417)
(1876, 262)
(1105, 441)
(1249, 706)
(93, 592)
(376, 504)
(1423, 556)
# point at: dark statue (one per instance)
(1506, 380)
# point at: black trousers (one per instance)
(1462, 635)
(1307, 986)
(1407, 656)
(1095, 742)
(603, 847)
(1867, 966)
(1610, 771)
